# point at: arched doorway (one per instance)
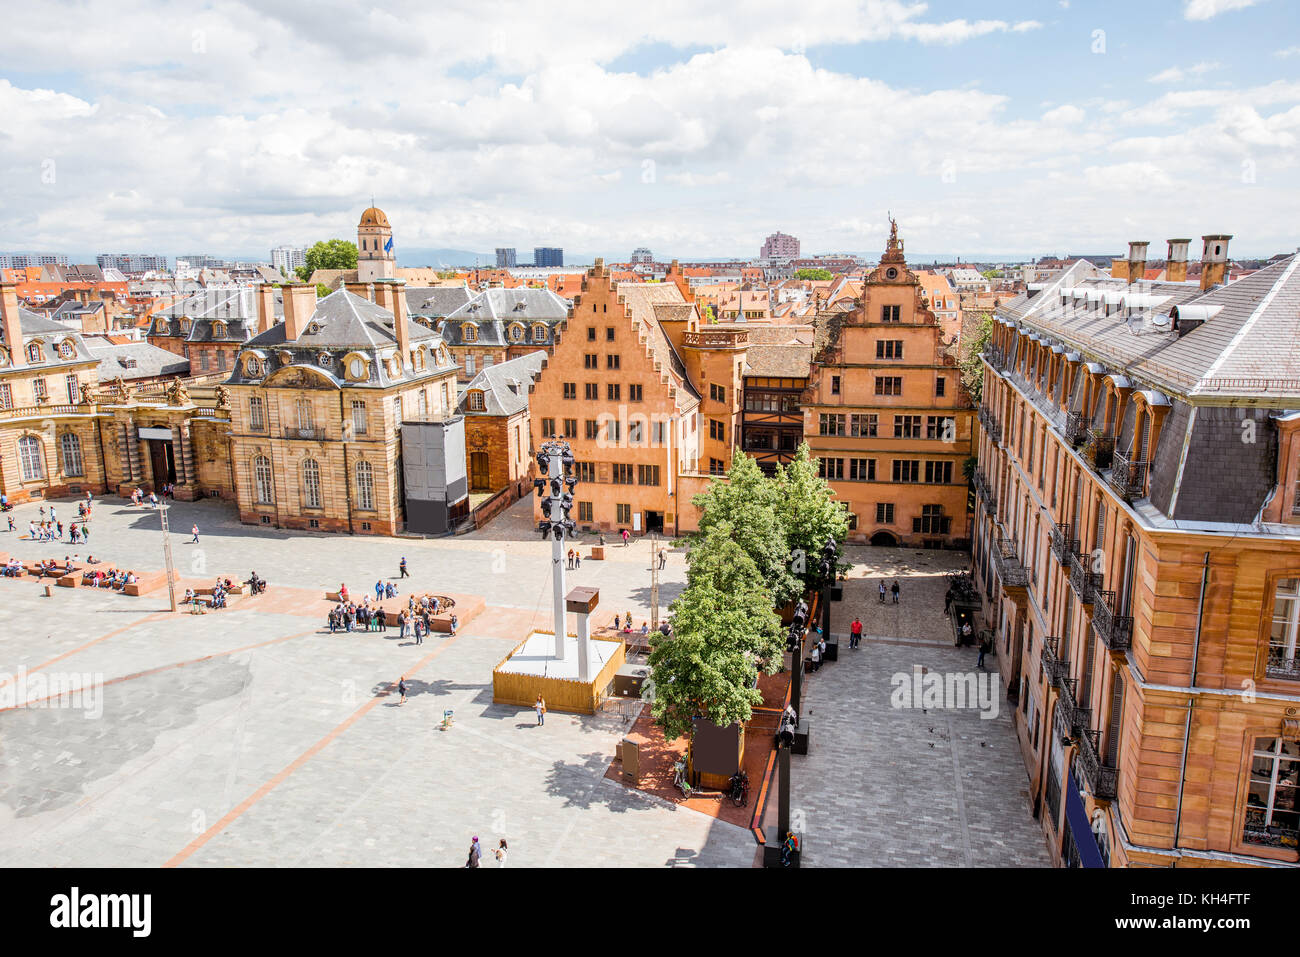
(884, 538)
(478, 472)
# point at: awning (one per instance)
(1076, 819)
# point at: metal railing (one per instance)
(1100, 449)
(313, 434)
(1102, 778)
(1128, 478)
(1063, 546)
(1053, 666)
(1115, 631)
(1076, 427)
(1010, 570)
(1082, 580)
(1282, 664)
(1065, 717)
(990, 424)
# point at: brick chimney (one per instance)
(381, 294)
(12, 328)
(1137, 261)
(400, 321)
(265, 307)
(1214, 261)
(299, 304)
(365, 290)
(1176, 260)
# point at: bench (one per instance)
(146, 583)
(69, 581)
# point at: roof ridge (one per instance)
(1249, 323)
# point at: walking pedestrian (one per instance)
(500, 852)
(379, 590)
(403, 573)
(625, 537)
(570, 565)
(454, 622)
(475, 852)
(663, 559)
(855, 632)
(419, 632)
(195, 532)
(816, 657)
(882, 591)
(11, 522)
(894, 589)
(577, 559)
(540, 707)
(401, 687)
(984, 649)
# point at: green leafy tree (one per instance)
(747, 503)
(329, 254)
(977, 329)
(813, 274)
(322, 290)
(724, 634)
(808, 511)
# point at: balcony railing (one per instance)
(1127, 477)
(1010, 570)
(1053, 666)
(1115, 631)
(996, 358)
(1276, 834)
(1083, 580)
(1063, 546)
(1065, 718)
(985, 491)
(1100, 449)
(1076, 428)
(1283, 664)
(716, 339)
(314, 434)
(1102, 778)
(990, 424)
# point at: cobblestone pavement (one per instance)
(912, 787)
(253, 737)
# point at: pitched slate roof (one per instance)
(137, 360)
(642, 298)
(435, 302)
(234, 309)
(504, 385)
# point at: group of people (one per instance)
(51, 530)
(417, 620)
(476, 853)
(892, 588)
(138, 497)
(113, 578)
(575, 559)
(350, 616)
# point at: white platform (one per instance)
(537, 657)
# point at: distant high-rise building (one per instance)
(31, 260)
(204, 261)
(288, 258)
(132, 262)
(780, 246)
(548, 256)
(506, 257)
(642, 255)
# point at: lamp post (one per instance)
(555, 459)
(829, 555)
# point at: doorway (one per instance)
(163, 463)
(478, 472)
(654, 522)
(884, 538)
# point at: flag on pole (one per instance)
(388, 246)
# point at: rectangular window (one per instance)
(835, 385)
(717, 467)
(647, 475)
(889, 348)
(884, 513)
(938, 473)
(548, 428)
(890, 313)
(203, 360)
(570, 428)
(718, 430)
(634, 392)
(830, 468)
(590, 361)
(74, 389)
(907, 426)
(622, 473)
(609, 333)
(659, 432)
(889, 385)
(1283, 659)
(1271, 800)
(591, 333)
(830, 423)
(584, 508)
(589, 391)
(718, 393)
(469, 364)
(570, 390)
(862, 470)
(359, 423)
(613, 391)
(586, 471)
(940, 386)
(593, 428)
(613, 430)
(256, 414)
(623, 513)
(6, 396)
(906, 470)
(863, 425)
(39, 390)
(612, 361)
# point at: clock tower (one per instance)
(375, 258)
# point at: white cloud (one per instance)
(1287, 52)
(1176, 74)
(1208, 9)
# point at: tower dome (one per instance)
(374, 216)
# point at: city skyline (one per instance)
(977, 127)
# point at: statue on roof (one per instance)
(223, 397)
(118, 389)
(177, 394)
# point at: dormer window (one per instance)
(66, 349)
(468, 332)
(516, 333)
(476, 403)
(34, 352)
(357, 368)
(219, 330)
(252, 366)
(539, 333)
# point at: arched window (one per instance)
(365, 486)
(304, 415)
(263, 490)
(34, 352)
(539, 333)
(30, 458)
(70, 445)
(468, 333)
(311, 484)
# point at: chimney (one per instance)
(12, 327)
(1119, 269)
(1214, 261)
(398, 308)
(1137, 261)
(364, 290)
(299, 304)
(265, 307)
(381, 294)
(1176, 260)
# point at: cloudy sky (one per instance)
(986, 126)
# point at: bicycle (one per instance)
(679, 778)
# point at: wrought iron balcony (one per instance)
(995, 357)
(1053, 666)
(1076, 427)
(1066, 717)
(1115, 631)
(990, 424)
(1283, 664)
(1276, 834)
(1127, 477)
(1013, 573)
(1100, 449)
(985, 491)
(1082, 579)
(1063, 546)
(315, 434)
(1102, 778)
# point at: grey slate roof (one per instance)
(137, 360)
(233, 309)
(436, 302)
(504, 317)
(504, 386)
(50, 335)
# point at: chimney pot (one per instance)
(12, 325)
(1214, 260)
(265, 307)
(299, 304)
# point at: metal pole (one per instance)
(555, 470)
(654, 580)
(783, 794)
(167, 554)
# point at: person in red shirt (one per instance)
(855, 632)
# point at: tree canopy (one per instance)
(814, 274)
(329, 254)
(977, 329)
(807, 509)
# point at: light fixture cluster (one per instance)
(555, 460)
